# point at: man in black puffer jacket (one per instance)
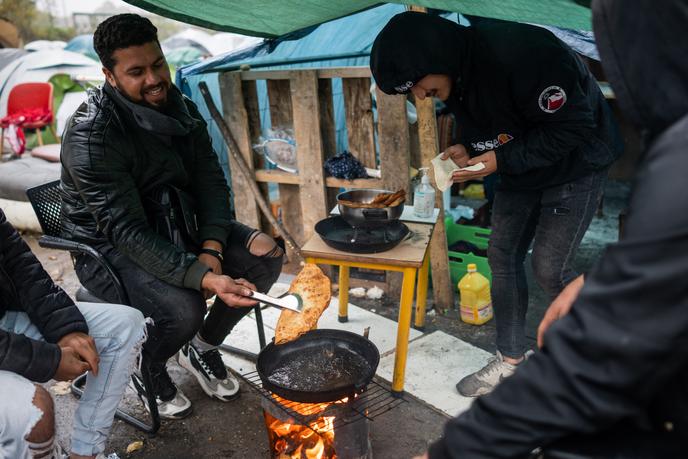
(135, 136)
(43, 336)
(528, 109)
(612, 378)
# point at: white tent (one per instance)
(40, 66)
(213, 45)
(43, 45)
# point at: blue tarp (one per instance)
(343, 42)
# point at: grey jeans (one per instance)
(554, 220)
(118, 332)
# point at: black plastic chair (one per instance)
(47, 204)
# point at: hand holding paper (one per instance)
(445, 168)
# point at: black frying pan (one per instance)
(339, 235)
(320, 366)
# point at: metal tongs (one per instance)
(292, 301)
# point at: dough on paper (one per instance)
(445, 168)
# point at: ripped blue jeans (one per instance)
(554, 220)
(118, 332)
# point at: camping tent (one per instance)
(41, 66)
(82, 44)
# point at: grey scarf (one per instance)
(174, 121)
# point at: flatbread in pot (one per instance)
(315, 290)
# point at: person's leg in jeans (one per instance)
(514, 218)
(250, 255)
(177, 314)
(566, 212)
(118, 332)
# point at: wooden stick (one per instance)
(243, 167)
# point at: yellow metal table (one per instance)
(411, 257)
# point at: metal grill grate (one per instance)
(373, 402)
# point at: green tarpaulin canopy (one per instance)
(273, 18)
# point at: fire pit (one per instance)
(329, 415)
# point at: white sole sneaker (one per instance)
(177, 408)
(224, 390)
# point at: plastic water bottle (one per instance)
(424, 196)
(476, 303)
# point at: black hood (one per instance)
(413, 45)
(645, 59)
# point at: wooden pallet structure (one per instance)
(302, 100)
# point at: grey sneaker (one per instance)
(484, 380)
(210, 372)
(172, 403)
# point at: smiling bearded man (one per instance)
(136, 149)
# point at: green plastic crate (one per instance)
(458, 262)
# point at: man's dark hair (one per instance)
(122, 31)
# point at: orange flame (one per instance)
(293, 441)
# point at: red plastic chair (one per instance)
(28, 96)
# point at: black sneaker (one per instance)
(172, 403)
(210, 372)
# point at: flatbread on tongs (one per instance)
(315, 290)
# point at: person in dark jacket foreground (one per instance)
(43, 336)
(612, 378)
(528, 109)
(136, 136)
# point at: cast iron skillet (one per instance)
(339, 235)
(321, 354)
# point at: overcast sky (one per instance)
(67, 7)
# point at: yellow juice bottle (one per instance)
(475, 303)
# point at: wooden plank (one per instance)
(277, 176)
(443, 290)
(245, 206)
(287, 178)
(328, 72)
(253, 111)
(393, 138)
(359, 120)
(345, 72)
(304, 95)
(409, 253)
(328, 131)
(281, 116)
(371, 183)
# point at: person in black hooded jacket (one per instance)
(528, 109)
(612, 378)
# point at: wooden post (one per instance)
(304, 97)
(328, 131)
(253, 111)
(442, 288)
(359, 119)
(235, 115)
(281, 116)
(393, 138)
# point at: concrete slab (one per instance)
(383, 331)
(436, 362)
